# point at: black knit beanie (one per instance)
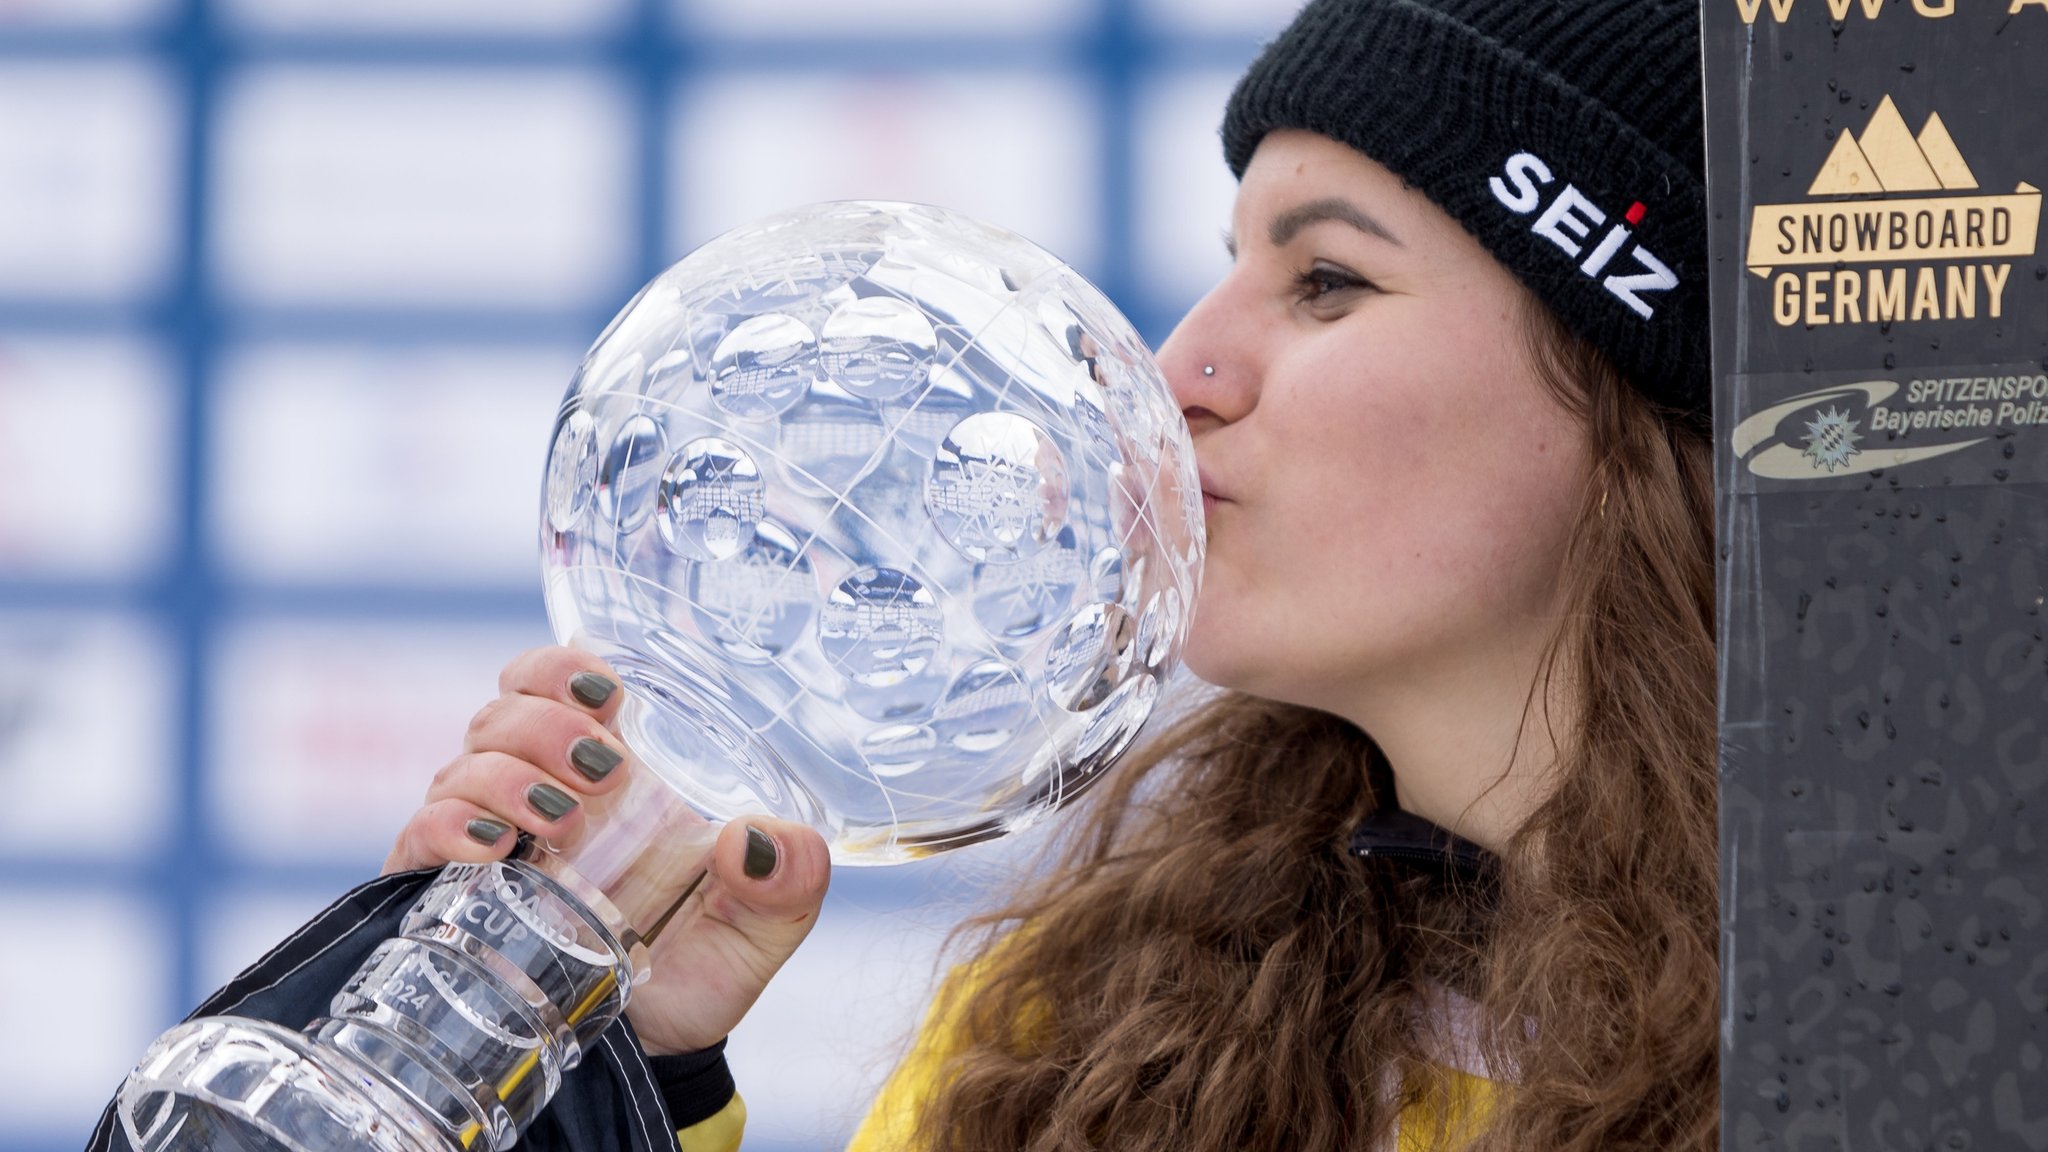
(1566, 137)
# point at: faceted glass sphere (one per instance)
(887, 520)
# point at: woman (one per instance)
(1437, 867)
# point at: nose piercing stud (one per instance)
(1208, 369)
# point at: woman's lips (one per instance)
(1211, 496)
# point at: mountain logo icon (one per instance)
(1889, 157)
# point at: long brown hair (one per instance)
(1209, 968)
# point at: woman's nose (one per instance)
(1206, 367)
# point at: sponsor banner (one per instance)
(386, 186)
(920, 135)
(1880, 338)
(87, 985)
(1807, 428)
(304, 779)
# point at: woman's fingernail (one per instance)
(593, 758)
(550, 801)
(760, 854)
(592, 690)
(486, 831)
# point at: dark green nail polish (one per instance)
(550, 801)
(486, 831)
(760, 854)
(592, 690)
(593, 758)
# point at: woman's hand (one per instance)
(528, 761)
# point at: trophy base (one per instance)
(227, 1084)
(449, 1038)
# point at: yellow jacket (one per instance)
(1430, 1126)
(893, 1116)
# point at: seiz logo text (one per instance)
(1568, 222)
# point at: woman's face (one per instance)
(1388, 483)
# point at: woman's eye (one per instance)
(1320, 283)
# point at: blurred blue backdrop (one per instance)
(289, 290)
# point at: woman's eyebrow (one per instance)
(1288, 224)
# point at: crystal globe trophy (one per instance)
(888, 524)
